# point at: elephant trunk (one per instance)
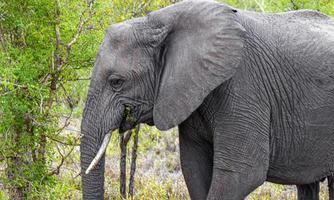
(93, 137)
(92, 182)
(97, 124)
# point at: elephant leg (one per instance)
(330, 187)
(233, 185)
(241, 157)
(308, 191)
(196, 157)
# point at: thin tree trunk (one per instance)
(124, 139)
(30, 130)
(133, 162)
(15, 192)
(13, 171)
(2, 40)
(123, 168)
(42, 149)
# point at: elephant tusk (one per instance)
(99, 154)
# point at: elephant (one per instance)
(251, 93)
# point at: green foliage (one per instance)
(126, 9)
(46, 46)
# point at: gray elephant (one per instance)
(252, 94)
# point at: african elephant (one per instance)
(251, 93)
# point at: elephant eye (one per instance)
(116, 83)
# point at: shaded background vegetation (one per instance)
(47, 50)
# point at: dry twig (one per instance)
(133, 162)
(124, 139)
(63, 158)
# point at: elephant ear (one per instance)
(202, 49)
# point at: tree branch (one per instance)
(122, 168)
(63, 142)
(133, 162)
(127, 137)
(63, 158)
(68, 99)
(82, 22)
(2, 40)
(124, 139)
(79, 79)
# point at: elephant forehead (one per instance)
(123, 33)
(117, 61)
(120, 53)
(120, 32)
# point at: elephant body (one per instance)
(252, 94)
(272, 121)
(295, 50)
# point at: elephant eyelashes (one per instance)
(116, 83)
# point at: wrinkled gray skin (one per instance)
(252, 94)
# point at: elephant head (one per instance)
(156, 70)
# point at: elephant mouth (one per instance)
(134, 115)
(129, 119)
(125, 126)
